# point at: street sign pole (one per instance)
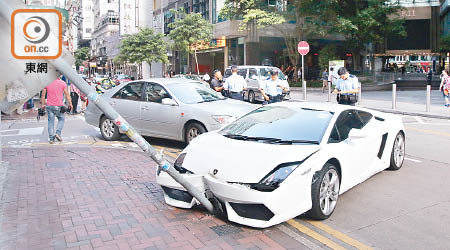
(303, 78)
(303, 49)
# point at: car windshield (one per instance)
(265, 73)
(283, 125)
(194, 92)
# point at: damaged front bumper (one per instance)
(238, 202)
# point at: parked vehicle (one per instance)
(285, 159)
(254, 75)
(176, 109)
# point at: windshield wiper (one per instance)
(291, 142)
(253, 138)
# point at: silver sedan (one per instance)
(176, 109)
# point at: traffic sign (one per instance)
(303, 48)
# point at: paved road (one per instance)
(406, 209)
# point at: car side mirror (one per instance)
(357, 134)
(168, 101)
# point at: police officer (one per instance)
(270, 88)
(235, 84)
(347, 87)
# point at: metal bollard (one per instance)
(359, 94)
(394, 96)
(428, 97)
(329, 92)
(304, 91)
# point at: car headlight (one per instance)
(178, 164)
(273, 180)
(224, 119)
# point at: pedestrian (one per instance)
(270, 88)
(217, 82)
(299, 74)
(74, 95)
(324, 80)
(444, 87)
(403, 71)
(332, 78)
(54, 104)
(235, 84)
(429, 77)
(347, 87)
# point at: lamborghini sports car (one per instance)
(285, 159)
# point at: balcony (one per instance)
(107, 19)
(416, 3)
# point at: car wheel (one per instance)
(193, 130)
(109, 130)
(398, 152)
(251, 97)
(324, 192)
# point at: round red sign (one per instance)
(303, 48)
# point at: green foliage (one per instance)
(143, 46)
(364, 21)
(326, 54)
(81, 55)
(445, 44)
(188, 30)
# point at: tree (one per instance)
(326, 54)
(81, 55)
(188, 31)
(258, 14)
(445, 47)
(143, 46)
(362, 22)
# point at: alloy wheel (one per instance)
(399, 150)
(329, 191)
(108, 128)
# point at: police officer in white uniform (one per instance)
(347, 87)
(270, 89)
(235, 84)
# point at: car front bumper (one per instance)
(240, 203)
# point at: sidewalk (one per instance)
(409, 102)
(95, 198)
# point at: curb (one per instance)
(398, 112)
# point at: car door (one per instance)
(127, 102)
(252, 80)
(353, 154)
(158, 119)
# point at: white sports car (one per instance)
(285, 159)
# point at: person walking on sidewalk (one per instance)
(347, 87)
(55, 92)
(324, 80)
(74, 95)
(445, 86)
(235, 84)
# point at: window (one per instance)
(132, 91)
(364, 116)
(347, 121)
(252, 73)
(155, 93)
(241, 72)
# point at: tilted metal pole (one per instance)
(428, 97)
(119, 121)
(394, 96)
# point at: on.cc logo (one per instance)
(36, 34)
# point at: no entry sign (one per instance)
(303, 48)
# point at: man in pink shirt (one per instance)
(55, 92)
